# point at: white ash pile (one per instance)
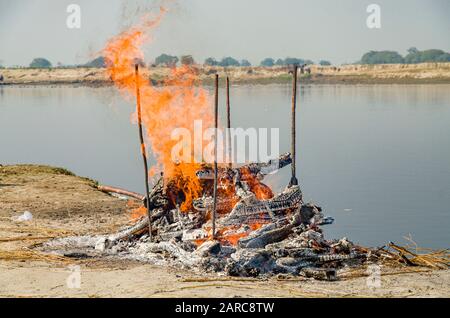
(258, 233)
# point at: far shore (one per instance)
(425, 73)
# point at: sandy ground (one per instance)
(63, 204)
(350, 74)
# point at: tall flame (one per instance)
(176, 104)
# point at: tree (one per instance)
(413, 50)
(167, 60)
(99, 62)
(433, 55)
(324, 63)
(382, 57)
(268, 62)
(211, 61)
(279, 62)
(40, 63)
(187, 60)
(229, 61)
(245, 63)
(293, 61)
(443, 58)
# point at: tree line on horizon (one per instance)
(169, 60)
(414, 56)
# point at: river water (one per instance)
(375, 157)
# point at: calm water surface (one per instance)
(377, 158)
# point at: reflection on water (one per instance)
(375, 157)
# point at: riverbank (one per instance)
(425, 73)
(63, 204)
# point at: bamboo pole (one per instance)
(230, 163)
(131, 194)
(294, 180)
(143, 151)
(216, 124)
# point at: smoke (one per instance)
(133, 9)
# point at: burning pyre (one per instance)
(258, 232)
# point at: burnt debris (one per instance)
(258, 232)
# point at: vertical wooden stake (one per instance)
(216, 125)
(143, 151)
(294, 180)
(230, 163)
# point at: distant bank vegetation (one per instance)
(413, 56)
(423, 73)
(40, 62)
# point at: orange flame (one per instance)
(261, 191)
(229, 235)
(137, 213)
(177, 104)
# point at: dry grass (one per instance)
(37, 230)
(32, 233)
(29, 255)
(394, 255)
(433, 259)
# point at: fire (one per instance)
(137, 213)
(135, 210)
(176, 104)
(230, 235)
(261, 191)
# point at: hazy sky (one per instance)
(251, 29)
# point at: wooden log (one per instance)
(157, 188)
(157, 196)
(144, 222)
(255, 169)
(328, 274)
(260, 240)
(292, 265)
(127, 233)
(131, 194)
(266, 238)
